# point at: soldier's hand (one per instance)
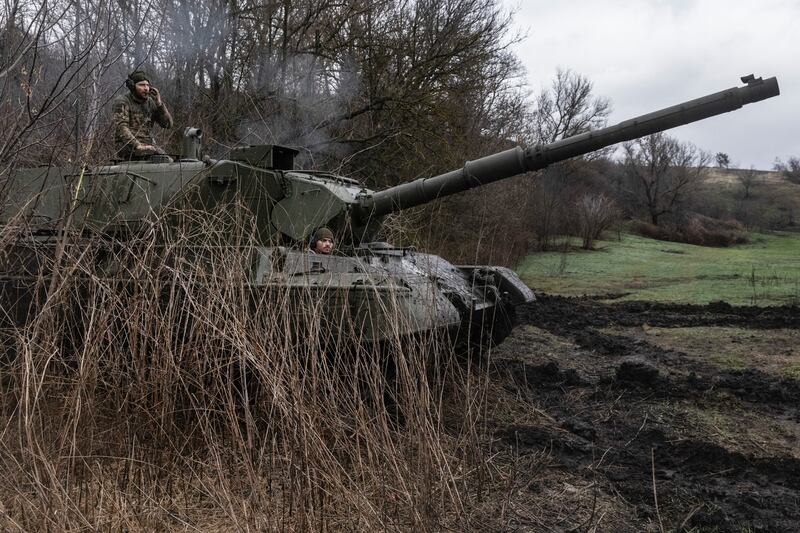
(145, 147)
(155, 94)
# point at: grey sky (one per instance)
(648, 54)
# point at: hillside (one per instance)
(763, 200)
(732, 177)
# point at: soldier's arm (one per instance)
(162, 116)
(122, 130)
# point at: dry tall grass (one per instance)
(154, 389)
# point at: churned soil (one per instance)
(649, 417)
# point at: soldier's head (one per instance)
(323, 241)
(138, 84)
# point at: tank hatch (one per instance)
(265, 156)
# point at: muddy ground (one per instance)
(635, 416)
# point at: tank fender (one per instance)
(508, 283)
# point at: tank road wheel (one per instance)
(491, 325)
(504, 319)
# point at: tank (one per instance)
(367, 280)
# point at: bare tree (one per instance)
(661, 172)
(748, 179)
(52, 67)
(568, 108)
(547, 200)
(595, 214)
(723, 161)
(790, 169)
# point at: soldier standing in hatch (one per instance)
(134, 114)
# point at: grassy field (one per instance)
(764, 272)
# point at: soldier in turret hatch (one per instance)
(134, 113)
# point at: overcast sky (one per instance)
(648, 54)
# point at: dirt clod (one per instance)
(637, 371)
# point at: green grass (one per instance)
(764, 272)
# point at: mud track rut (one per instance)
(617, 403)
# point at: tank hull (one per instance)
(372, 296)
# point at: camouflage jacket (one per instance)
(133, 121)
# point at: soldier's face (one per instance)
(142, 89)
(324, 246)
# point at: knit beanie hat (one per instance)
(138, 75)
(323, 233)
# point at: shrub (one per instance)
(695, 229)
(595, 213)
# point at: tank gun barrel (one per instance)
(518, 160)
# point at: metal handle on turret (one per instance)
(517, 160)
